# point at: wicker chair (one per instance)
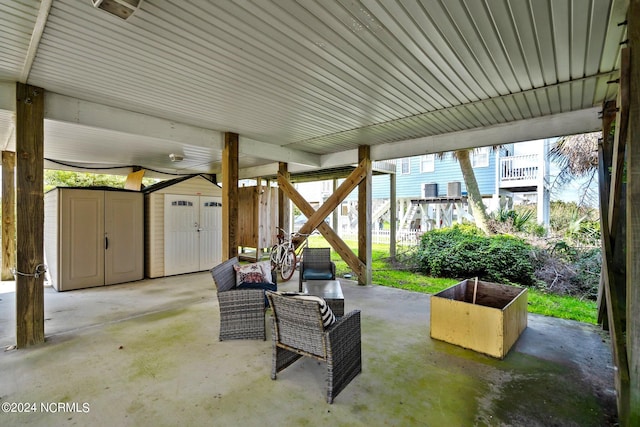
(298, 331)
(316, 265)
(242, 311)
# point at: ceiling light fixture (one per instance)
(120, 8)
(176, 157)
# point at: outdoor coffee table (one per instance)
(330, 290)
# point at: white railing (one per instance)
(403, 237)
(519, 168)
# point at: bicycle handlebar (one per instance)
(292, 234)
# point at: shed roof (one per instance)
(169, 182)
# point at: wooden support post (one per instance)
(618, 148)
(633, 220)
(608, 116)
(612, 300)
(230, 196)
(30, 215)
(335, 223)
(364, 215)
(393, 212)
(8, 214)
(284, 207)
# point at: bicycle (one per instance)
(285, 254)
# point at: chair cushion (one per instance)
(258, 272)
(328, 318)
(317, 274)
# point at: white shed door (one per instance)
(192, 233)
(210, 232)
(181, 242)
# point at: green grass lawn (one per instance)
(385, 274)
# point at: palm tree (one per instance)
(577, 157)
(473, 192)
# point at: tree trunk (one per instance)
(473, 192)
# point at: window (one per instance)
(480, 157)
(405, 166)
(427, 163)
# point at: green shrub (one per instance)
(517, 219)
(464, 252)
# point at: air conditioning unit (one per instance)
(454, 189)
(430, 190)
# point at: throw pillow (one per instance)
(328, 318)
(266, 270)
(249, 273)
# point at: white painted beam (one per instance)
(257, 171)
(7, 115)
(570, 123)
(262, 150)
(73, 110)
(7, 96)
(8, 137)
(36, 35)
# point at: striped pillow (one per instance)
(328, 318)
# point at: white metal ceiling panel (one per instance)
(18, 20)
(321, 77)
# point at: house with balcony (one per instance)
(431, 192)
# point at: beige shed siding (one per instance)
(154, 235)
(51, 228)
(154, 219)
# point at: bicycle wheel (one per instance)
(274, 257)
(288, 265)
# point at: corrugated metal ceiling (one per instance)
(324, 76)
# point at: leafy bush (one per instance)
(463, 251)
(518, 220)
(578, 224)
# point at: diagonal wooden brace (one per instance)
(334, 240)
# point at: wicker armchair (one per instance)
(241, 310)
(316, 265)
(298, 331)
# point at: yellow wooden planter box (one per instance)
(491, 325)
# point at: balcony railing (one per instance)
(519, 170)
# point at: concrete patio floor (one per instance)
(147, 354)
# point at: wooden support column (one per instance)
(284, 207)
(30, 215)
(230, 196)
(364, 215)
(633, 220)
(604, 165)
(335, 223)
(393, 212)
(8, 214)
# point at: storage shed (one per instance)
(93, 236)
(183, 226)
